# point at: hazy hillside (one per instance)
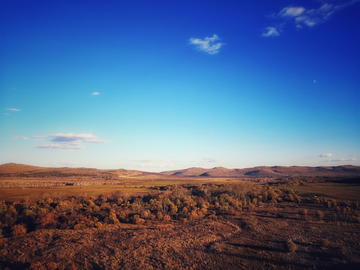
(276, 171)
(21, 170)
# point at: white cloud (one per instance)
(12, 109)
(95, 94)
(271, 32)
(291, 11)
(207, 45)
(7, 113)
(69, 141)
(325, 155)
(70, 137)
(191, 153)
(301, 16)
(341, 159)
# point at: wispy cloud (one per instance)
(209, 160)
(39, 138)
(204, 161)
(7, 113)
(75, 138)
(95, 94)
(341, 159)
(270, 32)
(69, 141)
(207, 44)
(23, 138)
(191, 153)
(149, 163)
(325, 155)
(143, 160)
(291, 11)
(12, 109)
(302, 17)
(61, 147)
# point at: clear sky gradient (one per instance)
(163, 85)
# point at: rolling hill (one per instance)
(275, 171)
(21, 170)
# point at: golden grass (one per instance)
(132, 187)
(341, 191)
(16, 194)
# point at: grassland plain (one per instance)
(167, 222)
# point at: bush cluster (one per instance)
(186, 203)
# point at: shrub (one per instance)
(193, 215)
(231, 211)
(251, 207)
(289, 198)
(18, 230)
(98, 224)
(297, 199)
(254, 201)
(37, 266)
(319, 215)
(145, 214)
(290, 246)
(51, 266)
(324, 242)
(159, 215)
(303, 213)
(138, 220)
(166, 218)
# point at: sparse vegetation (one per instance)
(190, 224)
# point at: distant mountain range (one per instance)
(21, 170)
(275, 171)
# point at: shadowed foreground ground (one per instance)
(250, 240)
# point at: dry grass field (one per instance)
(167, 222)
(341, 191)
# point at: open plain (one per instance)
(294, 218)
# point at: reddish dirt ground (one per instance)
(248, 240)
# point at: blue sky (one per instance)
(165, 85)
